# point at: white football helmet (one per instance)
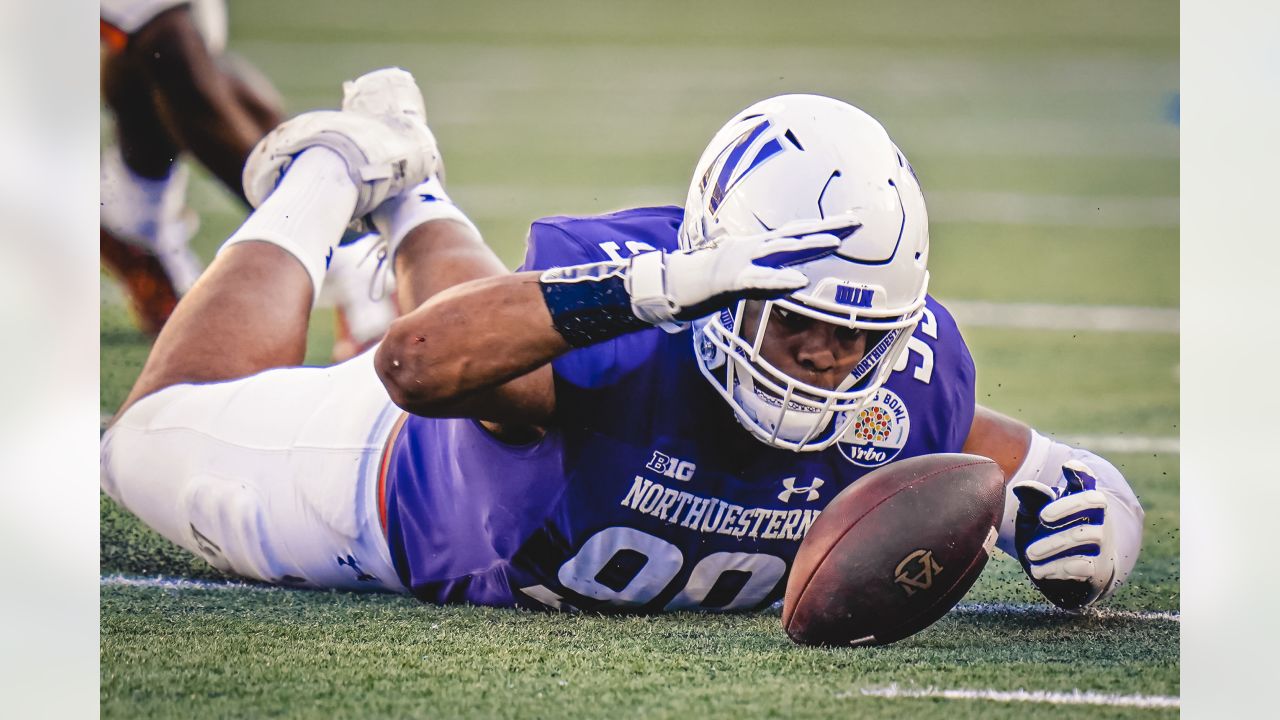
(798, 165)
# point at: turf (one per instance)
(305, 654)
(1019, 118)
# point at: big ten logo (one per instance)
(672, 467)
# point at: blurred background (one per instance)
(1045, 136)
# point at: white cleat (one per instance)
(386, 92)
(381, 134)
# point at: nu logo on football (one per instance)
(916, 571)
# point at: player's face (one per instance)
(808, 350)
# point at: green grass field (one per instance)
(1042, 135)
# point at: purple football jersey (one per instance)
(645, 495)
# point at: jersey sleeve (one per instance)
(551, 245)
(582, 375)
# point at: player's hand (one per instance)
(1064, 538)
(667, 288)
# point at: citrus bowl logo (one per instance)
(878, 431)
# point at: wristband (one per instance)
(590, 303)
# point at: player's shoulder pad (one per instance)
(562, 240)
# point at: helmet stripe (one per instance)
(731, 162)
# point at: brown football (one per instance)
(895, 551)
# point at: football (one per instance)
(895, 551)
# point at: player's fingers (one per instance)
(1076, 540)
(1032, 497)
(794, 251)
(1078, 476)
(773, 282)
(1089, 506)
(1076, 567)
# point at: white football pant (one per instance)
(272, 477)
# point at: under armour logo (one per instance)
(207, 547)
(350, 561)
(810, 493)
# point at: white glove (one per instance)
(1065, 539)
(666, 288)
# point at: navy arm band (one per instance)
(590, 303)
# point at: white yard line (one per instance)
(1009, 208)
(160, 582)
(997, 208)
(1097, 443)
(1124, 443)
(1102, 613)
(1075, 697)
(502, 201)
(1046, 316)
(176, 583)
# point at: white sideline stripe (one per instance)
(981, 313)
(175, 583)
(1007, 208)
(1124, 443)
(1045, 316)
(1075, 697)
(1102, 613)
(489, 200)
(161, 582)
(1098, 443)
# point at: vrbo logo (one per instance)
(869, 455)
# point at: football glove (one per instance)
(1064, 538)
(667, 289)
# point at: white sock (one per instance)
(425, 203)
(307, 212)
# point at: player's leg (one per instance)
(201, 103)
(249, 311)
(145, 224)
(432, 244)
(273, 476)
(145, 144)
(169, 87)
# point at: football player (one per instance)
(647, 415)
(172, 89)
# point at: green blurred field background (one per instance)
(1046, 139)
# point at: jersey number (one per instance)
(634, 247)
(658, 562)
(924, 371)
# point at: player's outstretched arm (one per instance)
(1070, 517)
(479, 349)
